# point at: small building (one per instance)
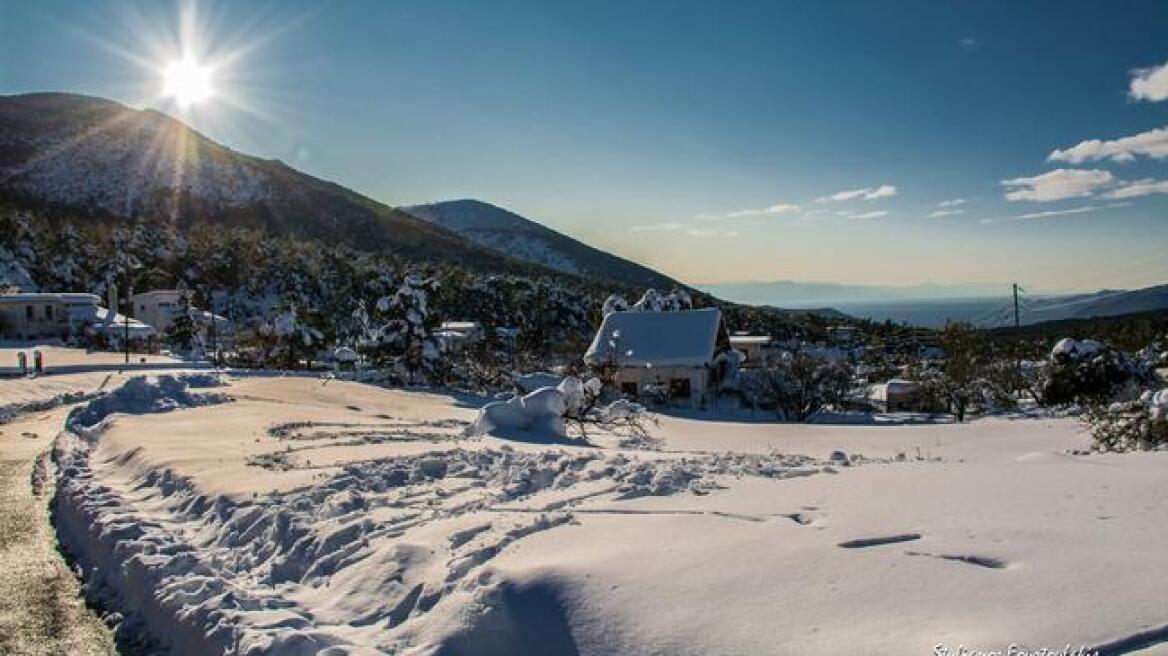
(35, 316)
(677, 355)
(455, 335)
(754, 347)
(896, 395)
(157, 308)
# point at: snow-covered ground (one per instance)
(294, 515)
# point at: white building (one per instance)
(158, 307)
(680, 353)
(61, 316)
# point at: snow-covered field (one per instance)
(293, 515)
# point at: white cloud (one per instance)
(778, 208)
(868, 215)
(1150, 83)
(1153, 143)
(953, 202)
(1050, 213)
(940, 213)
(969, 43)
(865, 193)
(655, 227)
(1139, 188)
(685, 229)
(1058, 184)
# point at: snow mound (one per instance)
(1075, 349)
(147, 394)
(540, 411)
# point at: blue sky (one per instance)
(709, 140)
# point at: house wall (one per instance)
(156, 309)
(698, 377)
(34, 319)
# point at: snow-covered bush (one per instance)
(797, 384)
(1088, 371)
(1133, 425)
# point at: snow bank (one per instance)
(147, 394)
(393, 553)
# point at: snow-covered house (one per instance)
(50, 315)
(681, 353)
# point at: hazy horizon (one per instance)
(833, 142)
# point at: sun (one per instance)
(187, 81)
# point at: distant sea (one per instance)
(934, 313)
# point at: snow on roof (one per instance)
(745, 340)
(460, 325)
(636, 339)
(72, 298)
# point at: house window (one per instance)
(679, 388)
(28, 312)
(629, 389)
(49, 312)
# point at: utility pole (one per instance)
(1017, 322)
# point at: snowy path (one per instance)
(41, 609)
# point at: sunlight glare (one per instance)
(187, 81)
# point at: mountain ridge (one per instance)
(511, 234)
(111, 161)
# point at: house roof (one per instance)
(664, 339)
(72, 298)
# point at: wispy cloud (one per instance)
(1049, 213)
(1139, 188)
(1153, 143)
(771, 210)
(1059, 184)
(875, 214)
(684, 229)
(969, 43)
(936, 214)
(656, 227)
(865, 193)
(1150, 83)
(952, 202)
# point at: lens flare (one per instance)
(187, 81)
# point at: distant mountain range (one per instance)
(932, 305)
(508, 233)
(799, 294)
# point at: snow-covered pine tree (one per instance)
(401, 328)
(183, 332)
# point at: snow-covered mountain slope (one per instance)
(107, 160)
(519, 237)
